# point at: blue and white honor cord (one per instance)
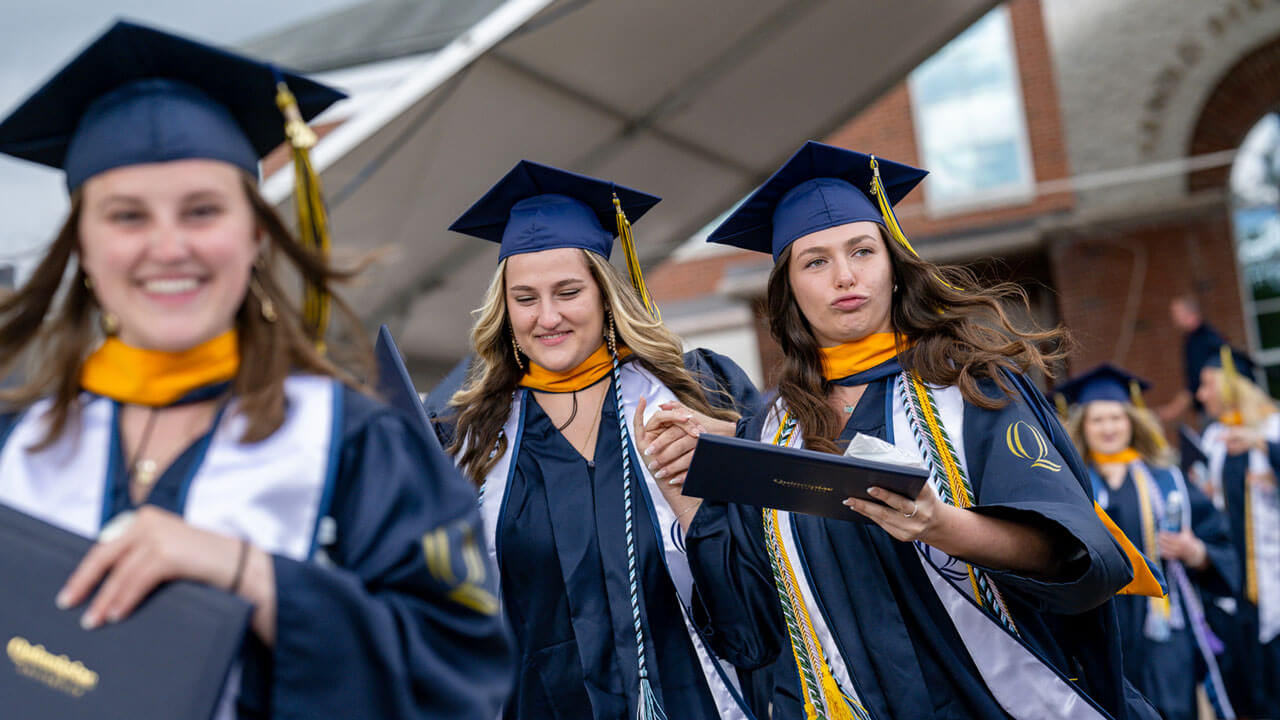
(648, 707)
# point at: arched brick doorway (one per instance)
(1245, 95)
(1246, 92)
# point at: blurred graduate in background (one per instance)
(1242, 444)
(176, 393)
(1168, 645)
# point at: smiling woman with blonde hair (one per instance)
(582, 508)
(986, 594)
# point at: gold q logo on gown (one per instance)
(1037, 451)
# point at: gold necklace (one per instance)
(143, 470)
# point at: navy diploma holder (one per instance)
(168, 659)
(748, 472)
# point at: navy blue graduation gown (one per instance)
(371, 633)
(563, 562)
(1167, 672)
(562, 559)
(907, 660)
(1250, 669)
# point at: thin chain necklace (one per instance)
(142, 470)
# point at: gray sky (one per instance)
(37, 36)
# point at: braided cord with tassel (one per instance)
(949, 479)
(824, 699)
(648, 706)
(313, 217)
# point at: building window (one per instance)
(1255, 201)
(967, 106)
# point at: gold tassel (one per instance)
(1060, 401)
(313, 217)
(891, 220)
(1229, 388)
(1135, 395)
(886, 208)
(633, 260)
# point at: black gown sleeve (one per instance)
(727, 385)
(403, 622)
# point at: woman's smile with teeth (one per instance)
(170, 286)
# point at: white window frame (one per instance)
(1011, 194)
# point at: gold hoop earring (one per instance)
(612, 337)
(265, 306)
(88, 282)
(515, 351)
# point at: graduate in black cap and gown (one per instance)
(177, 406)
(583, 519)
(988, 594)
(1243, 449)
(1168, 646)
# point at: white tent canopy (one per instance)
(693, 100)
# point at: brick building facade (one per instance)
(1125, 129)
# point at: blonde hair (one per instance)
(484, 401)
(1145, 435)
(1254, 405)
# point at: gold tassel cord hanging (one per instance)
(891, 220)
(1135, 395)
(1060, 402)
(313, 217)
(1230, 401)
(633, 260)
(886, 208)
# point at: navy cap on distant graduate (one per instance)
(1105, 382)
(1241, 363)
(137, 95)
(818, 188)
(537, 207)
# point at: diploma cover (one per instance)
(803, 481)
(168, 659)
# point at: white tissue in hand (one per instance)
(865, 447)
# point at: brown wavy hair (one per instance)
(52, 322)
(957, 332)
(484, 402)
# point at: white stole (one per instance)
(1023, 684)
(272, 493)
(637, 383)
(1264, 520)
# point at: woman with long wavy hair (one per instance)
(986, 595)
(585, 534)
(199, 435)
(1168, 647)
(1242, 444)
